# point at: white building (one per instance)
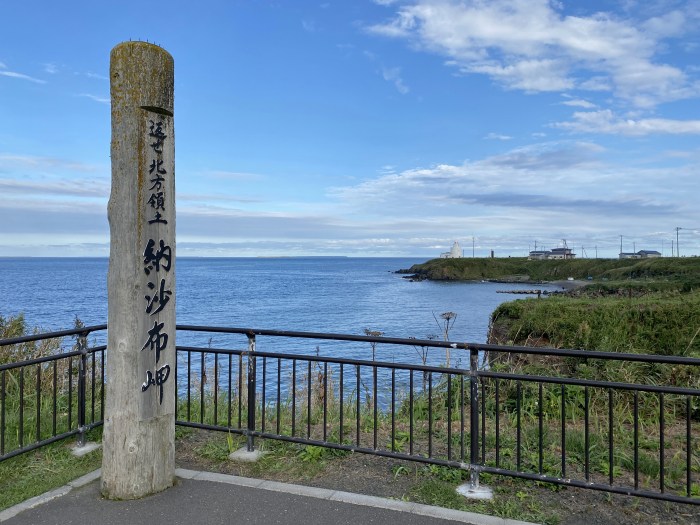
(454, 253)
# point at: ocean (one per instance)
(314, 294)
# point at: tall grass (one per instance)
(526, 427)
(40, 401)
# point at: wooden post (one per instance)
(139, 428)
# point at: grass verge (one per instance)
(31, 474)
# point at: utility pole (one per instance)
(678, 247)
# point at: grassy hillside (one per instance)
(651, 307)
(521, 269)
(666, 323)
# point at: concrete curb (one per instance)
(48, 496)
(352, 498)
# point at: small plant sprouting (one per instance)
(229, 442)
(400, 470)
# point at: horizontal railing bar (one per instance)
(584, 354)
(481, 347)
(617, 489)
(363, 450)
(321, 335)
(205, 426)
(588, 354)
(55, 357)
(453, 371)
(52, 439)
(325, 444)
(221, 351)
(591, 382)
(336, 360)
(39, 444)
(52, 335)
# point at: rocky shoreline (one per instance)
(414, 275)
(566, 285)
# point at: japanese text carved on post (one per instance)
(139, 428)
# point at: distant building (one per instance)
(629, 255)
(454, 253)
(641, 254)
(562, 253)
(555, 253)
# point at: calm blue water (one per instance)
(341, 295)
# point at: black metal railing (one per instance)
(566, 424)
(608, 435)
(47, 398)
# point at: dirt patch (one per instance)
(390, 478)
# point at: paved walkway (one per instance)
(204, 497)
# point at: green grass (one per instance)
(513, 499)
(520, 269)
(33, 473)
(656, 323)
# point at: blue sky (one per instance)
(366, 128)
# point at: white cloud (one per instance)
(579, 103)
(75, 188)
(96, 76)
(670, 24)
(605, 121)
(42, 164)
(497, 136)
(393, 75)
(96, 98)
(539, 188)
(533, 46)
(596, 83)
(528, 75)
(13, 74)
(390, 74)
(559, 189)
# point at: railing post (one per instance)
(82, 386)
(474, 418)
(250, 443)
(472, 489)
